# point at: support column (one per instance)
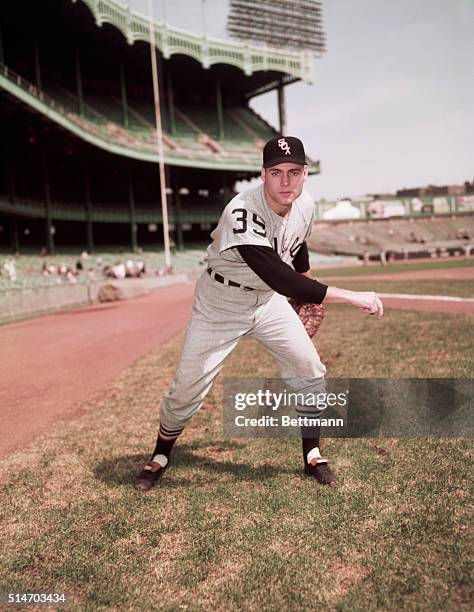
(131, 203)
(161, 86)
(15, 237)
(47, 205)
(281, 108)
(170, 100)
(220, 110)
(88, 203)
(15, 241)
(123, 92)
(2, 57)
(177, 208)
(79, 91)
(37, 64)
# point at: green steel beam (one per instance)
(178, 214)
(47, 206)
(14, 235)
(170, 102)
(123, 95)
(88, 211)
(80, 95)
(282, 109)
(131, 203)
(220, 110)
(2, 56)
(37, 63)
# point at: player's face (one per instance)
(283, 184)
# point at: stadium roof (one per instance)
(250, 58)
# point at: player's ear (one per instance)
(262, 174)
(305, 172)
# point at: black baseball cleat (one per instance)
(149, 476)
(322, 473)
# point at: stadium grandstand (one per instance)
(427, 221)
(79, 140)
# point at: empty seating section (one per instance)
(398, 235)
(196, 128)
(253, 121)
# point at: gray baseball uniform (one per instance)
(223, 313)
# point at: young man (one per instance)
(258, 258)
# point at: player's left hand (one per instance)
(367, 301)
(375, 308)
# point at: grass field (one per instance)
(441, 264)
(233, 524)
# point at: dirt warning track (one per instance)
(52, 363)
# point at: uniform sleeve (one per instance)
(238, 226)
(281, 277)
(301, 259)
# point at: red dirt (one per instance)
(53, 363)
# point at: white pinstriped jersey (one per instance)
(247, 219)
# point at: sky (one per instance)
(392, 101)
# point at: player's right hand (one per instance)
(368, 301)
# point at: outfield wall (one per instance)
(19, 303)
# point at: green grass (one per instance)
(440, 264)
(233, 524)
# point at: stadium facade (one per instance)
(79, 145)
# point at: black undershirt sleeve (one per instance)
(281, 277)
(301, 259)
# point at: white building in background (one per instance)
(342, 210)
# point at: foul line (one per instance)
(435, 298)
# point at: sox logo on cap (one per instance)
(284, 146)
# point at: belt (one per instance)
(230, 283)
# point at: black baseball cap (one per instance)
(283, 149)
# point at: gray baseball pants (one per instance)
(221, 316)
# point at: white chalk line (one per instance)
(433, 298)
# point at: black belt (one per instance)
(220, 279)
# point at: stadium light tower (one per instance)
(159, 134)
(288, 24)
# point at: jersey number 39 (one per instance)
(241, 220)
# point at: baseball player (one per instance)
(257, 259)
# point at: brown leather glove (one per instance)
(311, 315)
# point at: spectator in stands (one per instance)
(463, 233)
(9, 267)
(130, 271)
(71, 276)
(118, 270)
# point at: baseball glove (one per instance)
(311, 315)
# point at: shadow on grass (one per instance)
(121, 471)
